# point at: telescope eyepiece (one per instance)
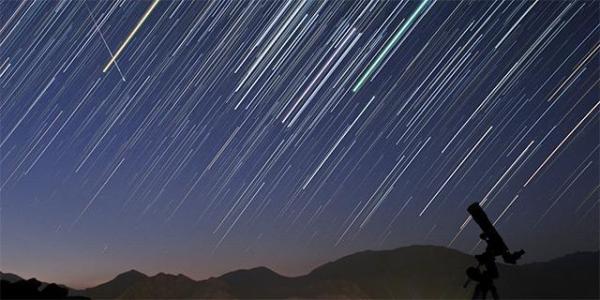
(511, 258)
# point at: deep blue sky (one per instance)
(232, 134)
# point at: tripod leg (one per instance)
(494, 293)
(477, 294)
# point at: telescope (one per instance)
(495, 247)
(495, 244)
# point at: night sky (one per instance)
(201, 137)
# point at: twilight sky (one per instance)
(200, 137)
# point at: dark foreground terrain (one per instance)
(409, 272)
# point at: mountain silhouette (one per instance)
(115, 287)
(14, 287)
(573, 276)
(257, 282)
(10, 277)
(409, 272)
(162, 286)
(413, 272)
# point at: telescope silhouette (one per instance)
(495, 247)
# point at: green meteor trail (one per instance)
(367, 74)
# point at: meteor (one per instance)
(103, 40)
(131, 34)
(389, 46)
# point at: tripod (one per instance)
(484, 279)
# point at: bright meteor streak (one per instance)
(131, 34)
(367, 74)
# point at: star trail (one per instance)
(202, 136)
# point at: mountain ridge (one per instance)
(417, 271)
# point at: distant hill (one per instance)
(15, 287)
(408, 272)
(162, 286)
(568, 277)
(10, 277)
(115, 287)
